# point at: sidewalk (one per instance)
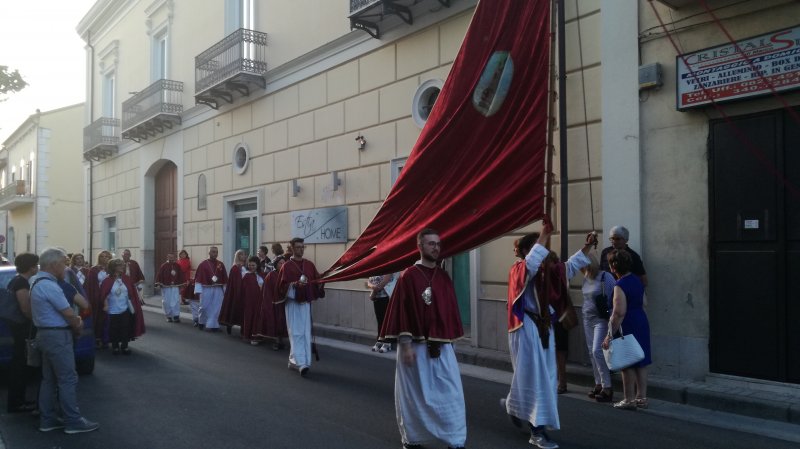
(719, 395)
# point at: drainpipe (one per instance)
(90, 75)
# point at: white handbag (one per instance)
(623, 352)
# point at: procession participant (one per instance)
(232, 310)
(210, 278)
(170, 278)
(381, 290)
(57, 326)
(186, 267)
(297, 284)
(264, 264)
(194, 301)
(252, 283)
(531, 339)
(423, 316)
(78, 266)
(134, 271)
(277, 250)
(271, 322)
(125, 320)
(97, 274)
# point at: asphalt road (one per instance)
(183, 388)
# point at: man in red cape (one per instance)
(171, 278)
(298, 286)
(423, 316)
(134, 271)
(231, 313)
(209, 281)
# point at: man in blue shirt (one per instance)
(56, 324)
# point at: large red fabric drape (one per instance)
(477, 170)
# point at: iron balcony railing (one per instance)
(242, 52)
(101, 138)
(159, 105)
(357, 5)
(15, 194)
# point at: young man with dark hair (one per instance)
(298, 286)
(423, 317)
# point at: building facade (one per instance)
(42, 197)
(244, 117)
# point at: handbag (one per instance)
(601, 300)
(622, 352)
(33, 354)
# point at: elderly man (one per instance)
(56, 323)
(618, 235)
(423, 316)
(134, 271)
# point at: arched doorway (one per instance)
(165, 213)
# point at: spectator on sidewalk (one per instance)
(57, 325)
(381, 288)
(597, 284)
(20, 326)
(618, 235)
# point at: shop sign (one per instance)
(774, 59)
(326, 225)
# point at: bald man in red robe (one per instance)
(423, 316)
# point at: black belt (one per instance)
(60, 328)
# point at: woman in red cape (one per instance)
(122, 333)
(186, 267)
(232, 309)
(251, 299)
(92, 286)
(271, 322)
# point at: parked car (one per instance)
(84, 345)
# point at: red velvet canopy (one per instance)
(477, 169)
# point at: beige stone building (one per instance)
(225, 123)
(42, 196)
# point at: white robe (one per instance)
(210, 304)
(298, 322)
(429, 398)
(171, 300)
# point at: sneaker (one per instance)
(514, 420)
(625, 405)
(304, 371)
(84, 426)
(541, 440)
(377, 347)
(386, 347)
(58, 423)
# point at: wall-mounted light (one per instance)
(362, 142)
(295, 187)
(335, 180)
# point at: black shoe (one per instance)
(24, 408)
(115, 351)
(201, 326)
(176, 319)
(126, 351)
(195, 324)
(169, 319)
(304, 371)
(228, 329)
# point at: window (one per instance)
(241, 157)
(424, 99)
(160, 56)
(396, 166)
(109, 94)
(111, 234)
(239, 14)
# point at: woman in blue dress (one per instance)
(629, 303)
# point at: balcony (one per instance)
(367, 14)
(16, 194)
(151, 111)
(234, 64)
(101, 139)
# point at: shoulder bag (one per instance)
(601, 300)
(622, 352)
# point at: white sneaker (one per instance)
(386, 347)
(377, 346)
(541, 440)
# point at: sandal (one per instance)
(641, 402)
(605, 395)
(595, 391)
(625, 405)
